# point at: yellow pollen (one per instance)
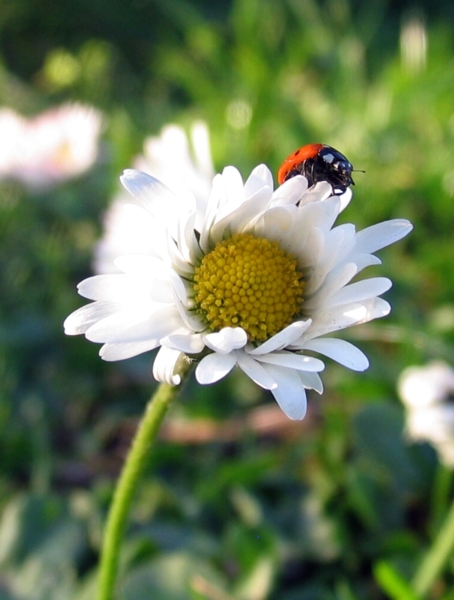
(248, 282)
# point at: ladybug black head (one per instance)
(335, 168)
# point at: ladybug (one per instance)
(318, 162)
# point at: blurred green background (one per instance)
(338, 507)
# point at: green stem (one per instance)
(436, 558)
(135, 462)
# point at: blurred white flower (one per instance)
(413, 43)
(185, 166)
(54, 146)
(427, 393)
(243, 276)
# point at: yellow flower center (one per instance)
(248, 282)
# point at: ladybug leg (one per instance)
(310, 172)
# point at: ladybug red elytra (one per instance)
(318, 162)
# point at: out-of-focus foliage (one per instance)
(336, 507)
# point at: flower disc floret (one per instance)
(248, 282)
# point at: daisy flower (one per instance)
(125, 232)
(427, 394)
(51, 147)
(246, 277)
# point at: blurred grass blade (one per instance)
(392, 582)
(441, 496)
(437, 556)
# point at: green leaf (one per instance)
(175, 576)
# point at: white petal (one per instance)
(382, 234)
(243, 217)
(233, 183)
(84, 317)
(254, 370)
(156, 197)
(341, 351)
(185, 236)
(275, 225)
(128, 229)
(319, 192)
(214, 367)
(345, 199)
(290, 192)
(376, 308)
(282, 339)
(188, 241)
(133, 326)
(142, 265)
(359, 291)
(179, 264)
(165, 366)
(230, 190)
(364, 260)
(110, 329)
(311, 381)
(327, 321)
(179, 288)
(114, 288)
(333, 282)
(289, 392)
(260, 176)
(194, 173)
(308, 249)
(161, 292)
(216, 198)
(187, 343)
(189, 318)
(226, 340)
(151, 272)
(162, 323)
(291, 360)
(113, 352)
(321, 215)
(330, 320)
(329, 258)
(347, 232)
(202, 152)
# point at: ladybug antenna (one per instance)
(358, 171)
